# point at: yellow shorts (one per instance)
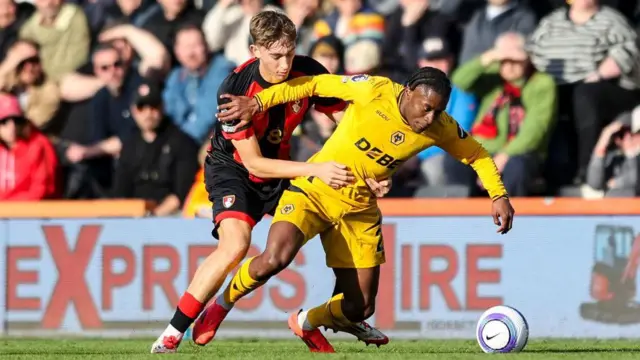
(351, 238)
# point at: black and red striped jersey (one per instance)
(273, 128)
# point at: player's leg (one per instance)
(354, 250)
(233, 244)
(256, 203)
(233, 230)
(361, 329)
(285, 239)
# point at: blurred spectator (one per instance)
(351, 21)
(142, 55)
(159, 162)
(27, 159)
(590, 51)
(126, 11)
(497, 17)
(77, 140)
(329, 51)
(165, 20)
(435, 52)
(190, 95)
(21, 74)
(316, 128)
(516, 114)
(302, 13)
(614, 164)
(197, 203)
(62, 32)
(362, 57)
(12, 16)
(95, 11)
(406, 30)
(226, 28)
(111, 120)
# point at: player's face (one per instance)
(276, 60)
(424, 107)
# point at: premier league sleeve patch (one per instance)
(359, 78)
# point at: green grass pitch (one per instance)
(132, 349)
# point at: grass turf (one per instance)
(131, 349)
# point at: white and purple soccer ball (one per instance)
(502, 329)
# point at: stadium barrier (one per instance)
(100, 268)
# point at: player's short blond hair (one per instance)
(270, 27)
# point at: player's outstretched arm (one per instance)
(356, 88)
(334, 174)
(466, 149)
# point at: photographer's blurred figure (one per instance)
(159, 162)
(613, 169)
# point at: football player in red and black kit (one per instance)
(244, 174)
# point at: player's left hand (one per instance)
(237, 108)
(502, 213)
(379, 189)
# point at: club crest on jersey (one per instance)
(296, 106)
(228, 201)
(287, 209)
(397, 138)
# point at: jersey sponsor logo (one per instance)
(228, 201)
(461, 133)
(374, 153)
(274, 136)
(397, 138)
(382, 115)
(358, 78)
(287, 209)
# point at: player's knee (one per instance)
(235, 238)
(273, 263)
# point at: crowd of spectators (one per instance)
(116, 98)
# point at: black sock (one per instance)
(180, 321)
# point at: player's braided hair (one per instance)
(432, 78)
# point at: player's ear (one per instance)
(254, 51)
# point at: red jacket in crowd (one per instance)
(27, 169)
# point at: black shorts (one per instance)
(235, 196)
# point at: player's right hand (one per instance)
(237, 108)
(333, 174)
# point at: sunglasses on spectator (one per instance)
(118, 64)
(32, 60)
(16, 120)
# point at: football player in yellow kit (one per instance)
(385, 124)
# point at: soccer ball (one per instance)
(502, 329)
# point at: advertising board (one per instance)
(123, 277)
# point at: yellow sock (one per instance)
(328, 314)
(241, 284)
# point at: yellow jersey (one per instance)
(373, 139)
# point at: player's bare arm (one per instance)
(332, 173)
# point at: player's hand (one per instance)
(238, 108)
(333, 174)
(502, 213)
(379, 189)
